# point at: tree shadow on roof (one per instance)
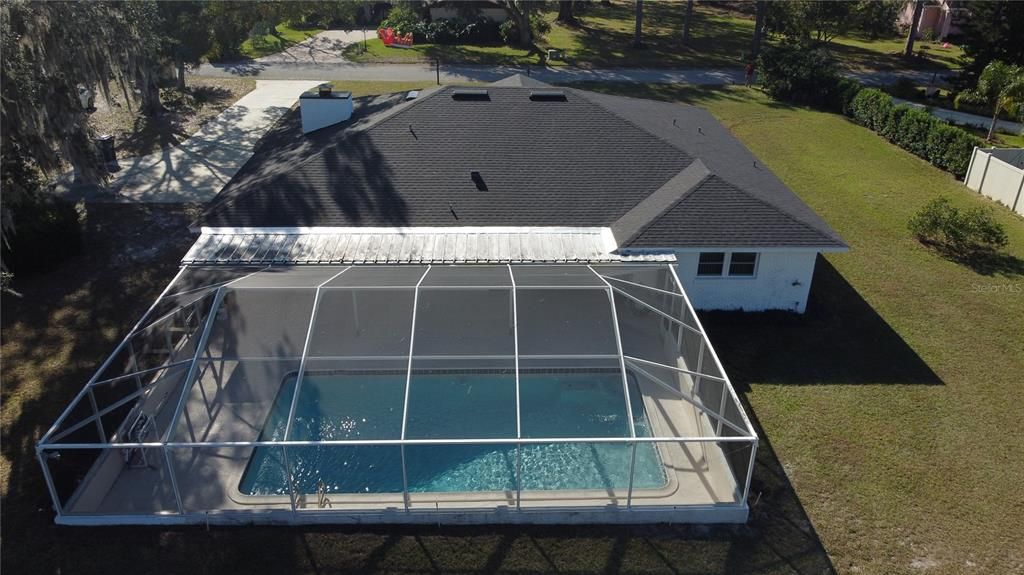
(841, 339)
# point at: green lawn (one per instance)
(282, 37)
(890, 406)
(719, 38)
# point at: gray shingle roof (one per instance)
(587, 161)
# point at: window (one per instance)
(711, 264)
(742, 264)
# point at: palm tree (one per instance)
(1001, 87)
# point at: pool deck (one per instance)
(698, 475)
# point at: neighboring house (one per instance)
(634, 178)
(939, 19)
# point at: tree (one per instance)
(520, 11)
(230, 21)
(51, 49)
(915, 21)
(991, 32)
(638, 33)
(755, 45)
(687, 19)
(1001, 87)
(188, 38)
(818, 19)
(877, 18)
(565, 15)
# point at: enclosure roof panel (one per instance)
(240, 246)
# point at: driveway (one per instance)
(327, 47)
(196, 170)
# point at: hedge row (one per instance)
(915, 130)
(805, 74)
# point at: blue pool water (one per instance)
(454, 405)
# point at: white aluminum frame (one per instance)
(609, 285)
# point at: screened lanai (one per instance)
(496, 393)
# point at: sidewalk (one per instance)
(196, 170)
(963, 118)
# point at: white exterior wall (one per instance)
(781, 280)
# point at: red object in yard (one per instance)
(391, 38)
(945, 44)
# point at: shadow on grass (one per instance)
(840, 340)
(716, 41)
(986, 262)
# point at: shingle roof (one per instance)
(587, 161)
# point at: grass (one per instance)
(889, 406)
(185, 112)
(603, 39)
(283, 37)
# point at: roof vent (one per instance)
(478, 180)
(470, 94)
(547, 96)
(324, 107)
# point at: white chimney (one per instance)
(324, 107)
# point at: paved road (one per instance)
(196, 170)
(963, 118)
(301, 70)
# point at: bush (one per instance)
(46, 232)
(941, 224)
(403, 19)
(950, 148)
(871, 108)
(799, 72)
(912, 131)
(915, 130)
(843, 94)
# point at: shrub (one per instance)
(913, 129)
(904, 88)
(46, 231)
(962, 233)
(950, 148)
(871, 108)
(891, 126)
(798, 72)
(403, 19)
(843, 94)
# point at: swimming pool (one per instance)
(454, 404)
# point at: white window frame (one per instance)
(726, 264)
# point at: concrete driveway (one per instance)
(196, 170)
(327, 47)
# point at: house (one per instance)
(638, 177)
(456, 305)
(938, 19)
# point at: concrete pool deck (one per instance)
(699, 479)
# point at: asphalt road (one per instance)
(265, 70)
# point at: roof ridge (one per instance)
(691, 176)
(627, 120)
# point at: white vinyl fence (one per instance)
(999, 174)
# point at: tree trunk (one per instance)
(150, 95)
(686, 21)
(992, 127)
(180, 64)
(565, 15)
(755, 45)
(525, 34)
(638, 36)
(918, 10)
